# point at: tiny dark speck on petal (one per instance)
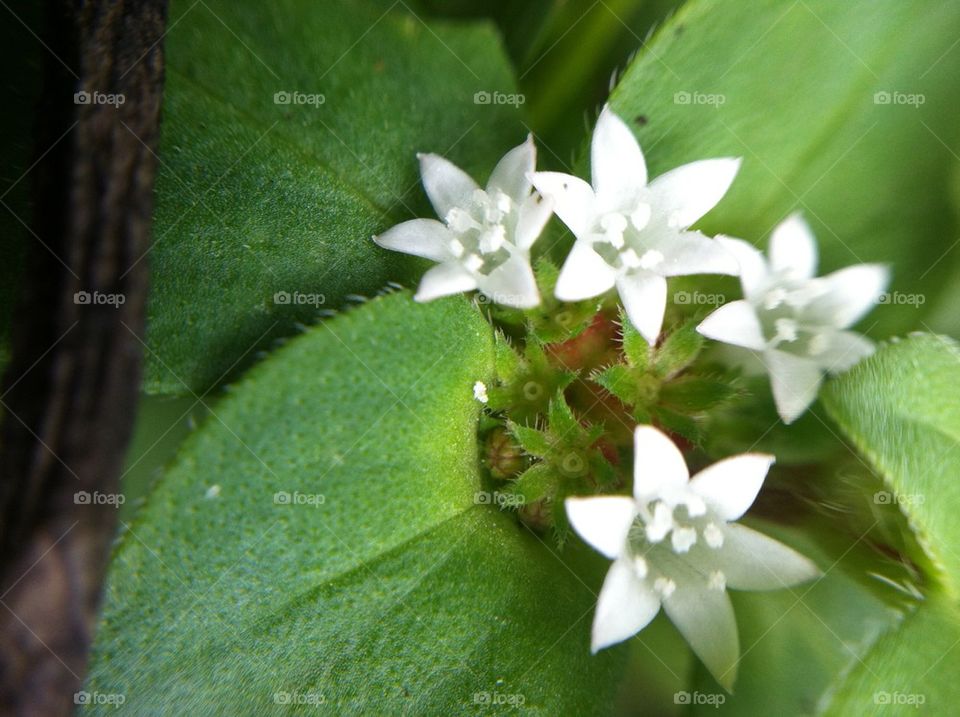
(641, 120)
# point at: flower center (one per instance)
(481, 231)
(620, 242)
(683, 518)
(786, 322)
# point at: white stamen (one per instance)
(683, 539)
(713, 535)
(456, 248)
(492, 239)
(786, 330)
(664, 586)
(774, 298)
(661, 524)
(613, 223)
(630, 259)
(460, 221)
(473, 262)
(718, 581)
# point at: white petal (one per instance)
(730, 486)
(754, 273)
(512, 283)
(511, 175)
(446, 184)
(793, 248)
(693, 253)
(795, 382)
(626, 605)
(843, 350)
(850, 294)
(584, 275)
(688, 192)
(751, 560)
(534, 213)
(421, 237)
(618, 169)
(658, 465)
(734, 323)
(644, 297)
(444, 280)
(602, 521)
(573, 199)
(704, 616)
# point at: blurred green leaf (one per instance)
(911, 670)
(896, 409)
(265, 210)
(345, 558)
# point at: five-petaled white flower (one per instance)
(485, 237)
(794, 320)
(673, 545)
(631, 234)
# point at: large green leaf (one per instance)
(399, 593)
(899, 409)
(792, 88)
(912, 670)
(255, 198)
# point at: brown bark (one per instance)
(70, 390)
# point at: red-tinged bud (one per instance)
(503, 456)
(593, 347)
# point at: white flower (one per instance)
(795, 321)
(631, 234)
(485, 238)
(673, 545)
